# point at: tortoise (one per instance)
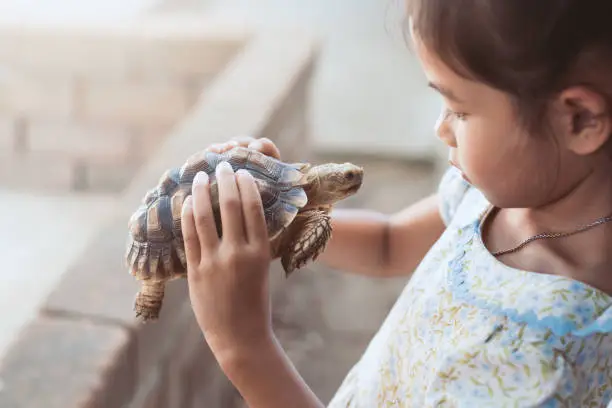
(297, 199)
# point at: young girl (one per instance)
(509, 304)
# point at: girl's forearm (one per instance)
(266, 378)
(358, 242)
(373, 244)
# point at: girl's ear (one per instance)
(586, 119)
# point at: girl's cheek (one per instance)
(469, 152)
(461, 141)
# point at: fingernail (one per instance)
(200, 178)
(188, 203)
(244, 172)
(257, 145)
(224, 167)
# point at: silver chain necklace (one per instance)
(552, 235)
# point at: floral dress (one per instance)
(469, 331)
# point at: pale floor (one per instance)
(41, 236)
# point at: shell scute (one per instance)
(201, 161)
(168, 182)
(279, 215)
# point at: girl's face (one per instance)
(509, 166)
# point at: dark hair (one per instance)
(530, 49)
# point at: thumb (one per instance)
(265, 146)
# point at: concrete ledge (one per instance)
(263, 90)
(64, 363)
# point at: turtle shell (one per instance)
(155, 248)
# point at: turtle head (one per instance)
(332, 182)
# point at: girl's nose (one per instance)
(444, 129)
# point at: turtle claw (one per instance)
(310, 234)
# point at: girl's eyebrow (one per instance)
(445, 91)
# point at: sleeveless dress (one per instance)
(469, 331)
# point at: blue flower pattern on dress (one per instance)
(469, 331)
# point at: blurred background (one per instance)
(97, 99)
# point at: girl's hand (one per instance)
(229, 290)
(228, 277)
(264, 145)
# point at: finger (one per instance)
(265, 146)
(229, 204)
(190, 235)
(242, 140)
(254, 220)
(203, 214)
(237, 141)
(215, 148)
(228, 146)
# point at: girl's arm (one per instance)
(373, 244)
(266, 378)
(367, 242)
(228, 280)
(363, 242)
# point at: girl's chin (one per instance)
(466, 178)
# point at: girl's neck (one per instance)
(586, 256)
(586, 201)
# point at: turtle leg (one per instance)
(149, 300)
(307, 237)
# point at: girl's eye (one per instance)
(460, 115)
(457, 115)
